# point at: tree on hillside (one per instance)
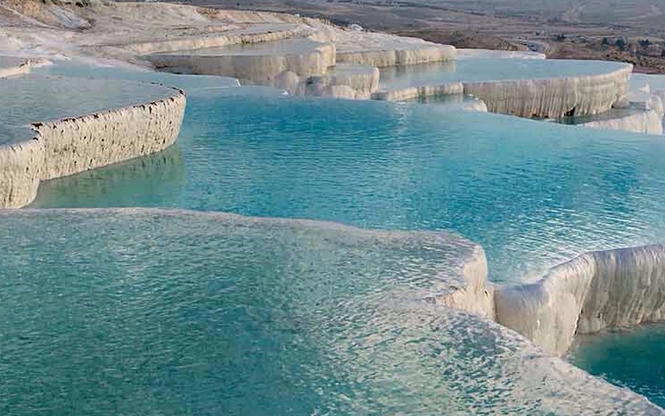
(621, 44)
(645, 43)
(606, 42)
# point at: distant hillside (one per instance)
(462, 39)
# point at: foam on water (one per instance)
(172, 312)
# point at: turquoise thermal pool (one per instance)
(532, 194)
(631, 358)
(524, 190)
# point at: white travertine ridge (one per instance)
(383, 58)
(20, 172)
(476, 294)
(647, 122)
(463, 53)
(553, 97)
(382, 50)
(414, 93)
(361, 80)
(271, 33)
(259, 64)
(596, 291)
(10, 66)
(72, 145)
(81, 143)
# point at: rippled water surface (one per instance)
(532, 194)
(152, 312)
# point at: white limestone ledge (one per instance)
(13, 66)
(647, 122)
(476, 294)
(553, 97)
(261, 63)
(72, 145)
(593, 292)
(257, 34)
(398, 57)
(420, 93)
(596, 291)
(343, 81)
(498, 54)
(382, 50)
(10, 66)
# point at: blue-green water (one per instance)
(532, 194)
(654, 82)
(149, 312)
(631, 358)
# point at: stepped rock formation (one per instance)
(596, 291)
(553, 97)
(72, 145)
(61, 147)
(256, 63)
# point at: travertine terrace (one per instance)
(77, 125)
(77, 136)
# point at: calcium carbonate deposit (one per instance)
(322, 226)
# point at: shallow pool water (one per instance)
(532, 194)
(629, 358)
(653, 81)
(191, 83)
(489, 69)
